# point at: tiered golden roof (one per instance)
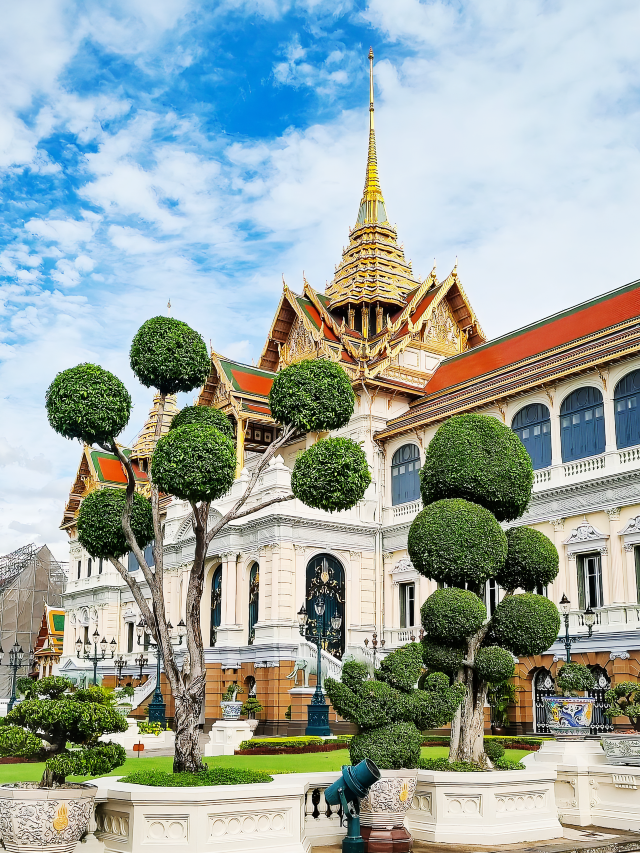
(145, 442)
(373, 267)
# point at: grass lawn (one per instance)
(272, 764)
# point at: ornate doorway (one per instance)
(325, 576)
(543, 685)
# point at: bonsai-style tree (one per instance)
(389, 710)
(251, 707)
(572, 679)
(623, 700)
(477, 473)
(57, 717)
(196, 462)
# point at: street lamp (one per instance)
(589, 618)
(157, 707)
(16, 656)
(119, 664)
(94, 657)
(318, 710)
(141, 662)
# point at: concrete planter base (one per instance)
(34, 819)
(622, 749)
(226, 736)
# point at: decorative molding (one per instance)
(633, 526)
(525, 801)
(585, 532)
(256, 824)
(629, 546)
(457, 805)
(621, 655)
(613, 513)
(355, 555)
(558, 524)
(172, 829)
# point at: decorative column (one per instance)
(355, 592)
(616, 566)
(227, 634)
(562, 582)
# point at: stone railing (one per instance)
(140, 693)
(395, 637)
(331, 666)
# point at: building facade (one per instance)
(416, 354)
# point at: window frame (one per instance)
(589, 439)
(405, 485)
(407, 602)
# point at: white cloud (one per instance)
(68, 233)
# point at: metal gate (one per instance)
(600, 723)
(543, 685)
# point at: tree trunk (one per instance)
(187, 756)
(467, 730)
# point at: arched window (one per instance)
(254, 594)
(532, 425)
(405, 475)
(325, 577)
(582, 424)
(216, 604)
(626, 398)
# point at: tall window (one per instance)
(532, 425)
(626, 399)
(89, 564)
(100, 566)
(492, 596)
(79, 568)
(582, 424)
(216, 604)
(325, 577)
(407, 605)
(254, 593)
(134, 565)
(405, 475)
(589, 567)
(129, 637)
(636, 554)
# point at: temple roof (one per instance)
(584, 337)
(144, 444)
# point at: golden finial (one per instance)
(372, 207)
(169, 308)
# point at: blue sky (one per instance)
(199, 152)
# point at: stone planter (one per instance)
(569, 716)
(231, 710)
(622, 749)
(383, 810)
(48, 819)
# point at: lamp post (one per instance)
(141, 662)
(119, 664)
(157, 706)
(16, 656)
(95, 657)
(318, 710)
(589, 620)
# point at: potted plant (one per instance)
(252, 707)
(623, 700)
(500, 697)
(231, 708)
(61, 727)
(391, 713)
(570, 713)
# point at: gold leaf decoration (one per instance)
(61, 820)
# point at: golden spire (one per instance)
(145, 443)
(372, 208)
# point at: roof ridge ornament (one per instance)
(372, 209)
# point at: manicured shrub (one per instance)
(449, 766)
(494, 664)
(401, 670)
(195, 463)
(204, 415)
(331, 475)
(507, 764)
(574, 678)
(100, 522)
(493, 749)
(169, 355)
(390, 746)
(532, 560)
(526, 624)
(89, 403)
(213, 776)
(457, 542)
(452, 612)
(313, 395)
(440, 658)
(477, 458)
(623, 700)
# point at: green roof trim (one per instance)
(58, 622)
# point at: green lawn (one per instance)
(272, 764)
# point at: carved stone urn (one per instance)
(47, 819)
(383, 811)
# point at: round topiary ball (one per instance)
(204, 415)
(477, 458)
(493, 664)
(440, 658)
(89, 403)
(390, 747)
(100, 522)
(312, 395)
(452, 615)
(526, 624)
(532, 560)
(169, 355)
(332, 475)
(195, 463)
(457, 542)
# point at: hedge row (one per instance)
(291, 743)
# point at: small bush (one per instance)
(493, 749)
(525, 624)
(214, 776)
(280, 742)
(532, 560)
(390, 746)
(494, 664)
(574, 678)
(451, 615)
(507, 764)
(439, 658)
(450, 766)
(146, 728)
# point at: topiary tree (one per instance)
(623, 700)
(574, 678)
(196, 461)
(389, 710)
(476, 474)
(56, 717)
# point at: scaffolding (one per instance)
(30, 579)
